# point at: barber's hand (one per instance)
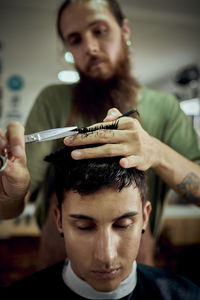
(137, 148)
(15, 178)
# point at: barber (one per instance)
(165, 143)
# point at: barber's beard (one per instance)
(93, 97)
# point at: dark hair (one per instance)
(88, 176)
(112, 5)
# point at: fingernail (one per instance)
(109, 118)
(114, 114)
(76, 154)
(125, 163)
(17, 150)
(106, 119)
(68, 140)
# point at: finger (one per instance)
(132, 161)
(108, 150)
(112, 115)
(93, 135)
(15, 136)
(102, 136)
(3, 141)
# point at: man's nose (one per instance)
(105, 247)
(91, 45)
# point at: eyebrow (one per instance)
(126, 215)
(85, 217)
(82, 217)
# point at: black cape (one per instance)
(152, 284)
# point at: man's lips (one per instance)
(95, 63)
(106, 274)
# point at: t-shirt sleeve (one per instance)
(179, 132)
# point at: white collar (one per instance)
(82, 288)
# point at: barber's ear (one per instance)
(58, 219)
(126, 30)
(146, 214)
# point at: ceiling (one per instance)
(186, 7)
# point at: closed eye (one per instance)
(123, 224)
(114, 225)
(86, 228)
(85, 225)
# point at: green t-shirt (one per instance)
(161, 117)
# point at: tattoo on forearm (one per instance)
(189, 188)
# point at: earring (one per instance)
(143, 231)
(62, 235)
(128, 43)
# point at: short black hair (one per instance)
(89, 175)
(112, 5)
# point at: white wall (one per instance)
(162, 45)
(29, 49)
(163, 42)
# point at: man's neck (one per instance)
(83, 289)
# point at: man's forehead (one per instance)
(93, 3)
(105, 201)
(88, 10)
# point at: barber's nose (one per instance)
(91, 45)
(105, 247)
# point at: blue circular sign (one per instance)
(15, 83)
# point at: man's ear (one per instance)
(58, 218)
(126, 30)
(146, 214)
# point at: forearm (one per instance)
(178, 172)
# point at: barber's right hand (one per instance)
(15, 178)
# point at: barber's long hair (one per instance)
(89, 175)
(112, 5)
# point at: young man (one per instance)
(98, 36)
(101, 213)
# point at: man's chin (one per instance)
(99, 77)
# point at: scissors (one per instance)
(42, 136)
(52, 134)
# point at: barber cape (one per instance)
(152, 284)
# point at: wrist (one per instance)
(11, 208)
(157, 153)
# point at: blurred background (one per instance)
(165, 55)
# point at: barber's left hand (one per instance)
(130, 141)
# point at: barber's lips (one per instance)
(106, 274)
(95, 64)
